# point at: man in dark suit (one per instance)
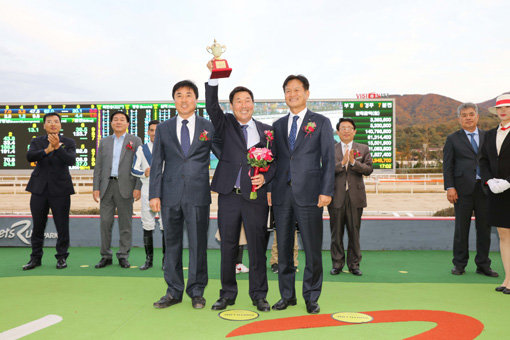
(116, 188)
(353, 161)
(239, 132)
(301, 188)
(51, 187)
(463, 187)
(179, 188)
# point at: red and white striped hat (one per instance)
(503, 100)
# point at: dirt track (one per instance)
(19, 203)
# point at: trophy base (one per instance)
(221, 73)
(220, 69)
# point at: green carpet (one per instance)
(116, 303)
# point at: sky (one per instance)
(61, 51)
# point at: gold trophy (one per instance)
(220, 66)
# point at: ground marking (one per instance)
(31, 327)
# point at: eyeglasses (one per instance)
(346, 128)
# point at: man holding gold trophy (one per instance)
(233, 181)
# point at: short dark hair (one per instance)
(185, 83)
(239, 89)
(153, 122)
(349, 120)
(300, 77)
(49, 114)
(119, 112)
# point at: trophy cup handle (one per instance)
(223, 49)
(208, 49)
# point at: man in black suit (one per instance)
(239, 132)
(179, 188)
(462, 183)
(301, 188)
(51, 187)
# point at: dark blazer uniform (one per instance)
(346, 207)
(51, 187)
(234, 207)
(459, 171)
(311, 170)
(181, 182)
(493, 165)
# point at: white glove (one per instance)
(498, 185)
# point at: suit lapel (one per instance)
(172, 126)
(262, 136)
(196, 135)
(465, 139)
(123, 149)
(506, 143)
(285, 131)
(481, 135)
(301, 132)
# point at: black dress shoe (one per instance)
(487, 272)
(312, 307)
(198, 302)
(166, 301)
(356, 272)
(500, 288)
(61, 263)
(506, 291)
(262, 305)
(335, 271)
(124, 263)
(222, 303)
(458, 271)
(274, 268)
(103, 263)
(283, 304)
(32, 264)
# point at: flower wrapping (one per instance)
(258, 159)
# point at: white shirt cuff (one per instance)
(213, 82)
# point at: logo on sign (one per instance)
(20, 230)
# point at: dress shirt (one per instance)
(349, 145)
(117, 150)
(500, 136)
(299, 121)
(253, 135)
(191, 127)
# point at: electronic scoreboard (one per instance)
(375, 128)
(88, 123)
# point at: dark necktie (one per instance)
(185, 143)
(475, 147)
(245, 134)
(293, 131)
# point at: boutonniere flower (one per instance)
(203, 136)
(309, 128)
(269, 137)
(129, 146)
(357, 154)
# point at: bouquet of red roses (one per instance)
(259, 159)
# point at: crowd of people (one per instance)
(170, 174)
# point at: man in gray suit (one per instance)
(179, 188)
(463, 186)
(353, 161)
(115, 187)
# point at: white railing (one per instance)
(377, 183)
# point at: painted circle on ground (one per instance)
(238, 315)
(351, 317)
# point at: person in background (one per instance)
(115, 188)
(51, 187)
(495, 171)
(141, 168)
(462, 182)
(353, 161)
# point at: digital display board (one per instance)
(375, 128)
(139, 116)
(20, 123)
(88, 123)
